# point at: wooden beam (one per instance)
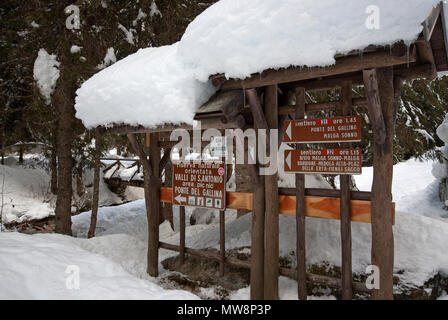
(222, 241)
(329, 208)
(314, 278)
(382, 233)
(269, 120)
(256, 203)
(324, 280)
(316, 207)
(426, 55)
(324, 106)
(140, 153)
(300, 209)
(374, 105)
(182, 234)
(152, 189)
(165, 160)
(343, 65)
(214, 123)
(346, 236)
(96, 185)
(327, 193)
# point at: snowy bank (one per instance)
(45, 267)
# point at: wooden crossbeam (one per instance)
(316, 207)
(342, 66)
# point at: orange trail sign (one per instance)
(325, 161)
(339, 129)
(199, 184)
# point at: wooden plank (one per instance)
(257, 202)
(222, 241)
(96, 185)
(346, 236)
(324, 106)
(382, 233)
(324, 280)
(290, 273)
(300, 210)
(374, 105)
(151, 203)
(343, 65)
(153, 187)
(165, 160)
(316, 207)
(327, 193)
(329, 208)
(271, 259)
(182, 234)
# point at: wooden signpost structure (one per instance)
(261, 101)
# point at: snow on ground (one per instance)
(414, 188)
(116, 257)
(26, 190)
(419, 240)
(26, 193)
(46, 267)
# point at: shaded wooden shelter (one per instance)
(259, 102)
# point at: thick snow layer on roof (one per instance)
(239, 38)
(148, 88)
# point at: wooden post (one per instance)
(154, 204)
(346, 237)
(182, 233)
(300, 211)
(148, 183)
(381, 81)
(271, 262)
(96, 185)
(257, 232)
(222, 241)
(257, 240)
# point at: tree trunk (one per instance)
(96, 186)
(21, 152)
(64, 154)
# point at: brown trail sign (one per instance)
(339, 129)
(327, 161)
(200, 184)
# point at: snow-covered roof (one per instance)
(238, 38)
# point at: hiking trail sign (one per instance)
(199, 184)
(338, 129)
(324, 161)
